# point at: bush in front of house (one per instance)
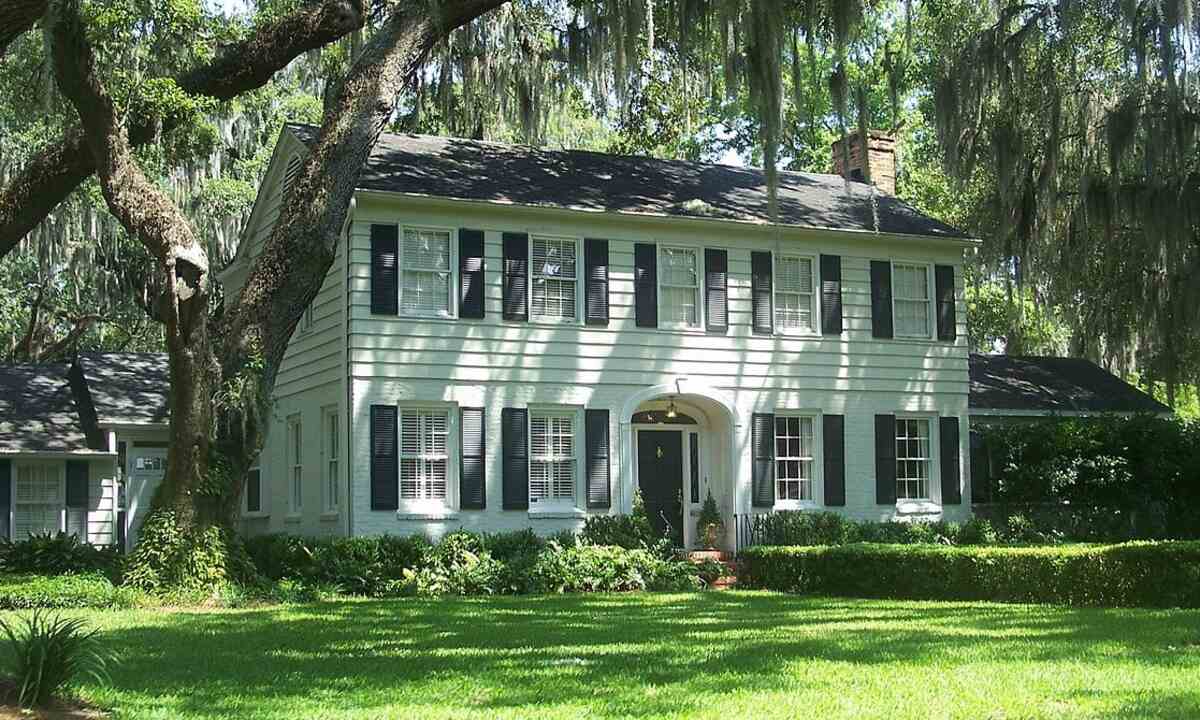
(1136, 574)
(608, 568)
(359, 565)
(57, 554)
(802, 528)
(91, 590)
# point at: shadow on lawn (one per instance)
(600, 650)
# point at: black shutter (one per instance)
(385, 458)
(694, 466)
(5, 495)
(762, 476)
(596, 440)
(948, 439)
(385, 288)
(645, 284)
(943, 280)
(595, 281)
(472, 481)
(881, 299)
(77, 484)
(760, 292)
(831, 294)
(514, 442)
(833, 431)
(254, 490)
(885, 459)
(716, 290)
(516, 276)
(470, 274)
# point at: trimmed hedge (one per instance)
(1137, 574)
(24, 592)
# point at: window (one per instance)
(424, 457)
(425, 273)
(910, 292)
(552, 457)
(794, 293)
(306, 322)
(295, 445)
(912, 459)
(794, 450)
(554, 278)
(39, 499)
(679, 287)
(253, 491)
(332, 452)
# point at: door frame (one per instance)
(685, 466)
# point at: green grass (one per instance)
(707, 655)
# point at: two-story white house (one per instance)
(513, 337)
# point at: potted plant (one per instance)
(710, 523)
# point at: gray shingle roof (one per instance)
(1052, 384)
(38, 410)
(513, 174)
(127, 388)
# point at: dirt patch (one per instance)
(58, 709)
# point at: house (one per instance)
(82, 445)
(512, 337)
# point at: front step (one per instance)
(726, 580)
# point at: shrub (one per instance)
(57, 554)
(48, 651)
(977, 531)
(458, 565)
(361, 565)
(1139, 574)
(608, 568)
(178, 559)
(21, 592)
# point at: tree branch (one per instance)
(17, 17)
(51, 175)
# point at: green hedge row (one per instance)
(1138, 574)
(24, 592)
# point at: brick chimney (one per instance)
(881, 156)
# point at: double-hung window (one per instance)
(794, 297)
(332, 452)
(552, 458)
(555, 279)
(911, 301)
(426, 273)
(794, 458)
(424, 455)
(679, 287)
(295, 457)
(40, 499)
(912, 459)
(253, 491)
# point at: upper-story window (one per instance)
(679, 287)
(426, 273)
(795, 301)
(555, 279)
(911, 299)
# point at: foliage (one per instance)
(710, 522)
(57, 554)
(1141, 574)
(797, 527)
(608, 568)
(49, 651)
(1016, 325)
(458, 565)
(171, 558)
(632, 531)
(361, 565)
(1099, 478)
(27, 591)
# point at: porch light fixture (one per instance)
(671, 414)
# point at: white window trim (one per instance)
(579, 277)
(559, 507)
(933, 503)
(818, 469)
(425, 508)
(61, 468)
(815, 300)
(331, 490)
(451, 312)
(698, 252)
(929, 308)
(294, 451)
(307, 320)
(262, 495)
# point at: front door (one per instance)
(660, 478)
(145, 473)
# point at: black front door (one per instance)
(660, 478)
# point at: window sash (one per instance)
(679, 286)
(552, 457)
(554, 289)
(424, 454)
(253, 475)
(912, 458)
(39, 500)
(426, 272)
(331, 460)
(296, 465)
(795, 456)
(795, 293)
(911, 299)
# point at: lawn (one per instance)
(708, 655)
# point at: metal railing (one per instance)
(743, 535)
